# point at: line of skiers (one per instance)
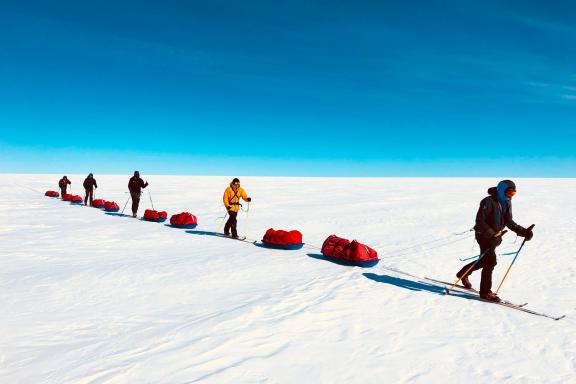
(231, 198)
(494, 214)
(89, 185)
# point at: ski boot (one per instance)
(465, 282)
(490, 296)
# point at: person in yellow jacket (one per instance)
(231, 198)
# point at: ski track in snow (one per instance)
(92, 298)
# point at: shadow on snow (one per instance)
(407, 284)
(208, 233)
(319, 256)
(420, 286)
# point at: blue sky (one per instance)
(349, 88)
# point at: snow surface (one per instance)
(92, 298)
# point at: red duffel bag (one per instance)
(293, 237)
(67, 197)
(282, 239)
(152, 215)
(111, 206)
(76, 199)
(184, 220)
(98, 203)
(52, 194)
(352, 252)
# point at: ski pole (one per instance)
(499, 234)
(469, 258)
(247, 220)
(500, 254)
(222, 218)
(125, 204)
(513, 260)
(150, 196)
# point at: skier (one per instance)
(494, 213)
(89, 185)
(231, 198)
(63, 184)
(135, 185)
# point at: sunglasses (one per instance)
(510, 193)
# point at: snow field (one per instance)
(92, 298)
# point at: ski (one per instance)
(239, 238)
(220, 234)
(472, 290)
(504, 303)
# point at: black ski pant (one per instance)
(135, 202)
(486, 263)
(62, 191)
(231, 224)
(89, 195)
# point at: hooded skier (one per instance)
(135, 185)
(63, 184)
(231, 198)
(89, 185)
(494, 214)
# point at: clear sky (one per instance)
(350, 88)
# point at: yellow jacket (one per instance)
(232, 199)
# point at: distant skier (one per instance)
(231, 198)
(63, 184)
(494, 214)
(89, 185)
(135, 185)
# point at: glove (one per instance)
(145, 185)
(228, 208)
(495, 241)
(528, 234)
(249, 199)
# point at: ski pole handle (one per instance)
(501, 233)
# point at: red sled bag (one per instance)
(350, 253)
(66, 197)
(111, 206)
(156, 216)
(77, 199)
(98, 203)
(282, 239)
(52, 194)
(184, 220)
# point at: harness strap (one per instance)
(235, 196)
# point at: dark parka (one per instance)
(90, 183)
(491, 217)
(63, 183)
(135, 185)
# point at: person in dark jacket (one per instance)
(63, 184)
(494, 214)
(89, 185)
(135, 185)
